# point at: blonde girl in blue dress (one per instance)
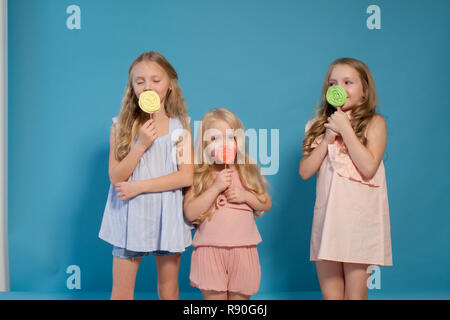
(144, 209)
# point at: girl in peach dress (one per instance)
(223, 202)
(351, 229)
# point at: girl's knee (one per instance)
(356, 294)
(333, 295)
(168, 291)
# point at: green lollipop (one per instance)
(336, 96)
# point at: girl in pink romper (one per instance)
(222, 203)
(351, 229)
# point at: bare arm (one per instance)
(311, 163)
(367, 158)
(121, 170)
(196, 206)
(176, 180)
(258, 203)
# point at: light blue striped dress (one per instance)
(150, 221)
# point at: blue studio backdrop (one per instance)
(265, 60)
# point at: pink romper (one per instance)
(351, 214)
(225, 257)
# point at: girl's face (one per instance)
(218, 134)
(148, 75)
(348, 78)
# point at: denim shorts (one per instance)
(128, 254)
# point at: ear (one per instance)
(365, 95)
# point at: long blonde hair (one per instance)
(249, 173)
(131, 117)
(361, 114)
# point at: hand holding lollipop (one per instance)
(149, 102)
(336, 96)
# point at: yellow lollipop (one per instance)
(149, 101)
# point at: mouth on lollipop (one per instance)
(149, 101)
(226, 155)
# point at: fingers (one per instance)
(226, 171)
(230, 193)
(121, 196)
(148, 123)
(230, 189)
(329, 126)
(226, 174)
(227, 181)
(120, 193)
(150, 129)
(331, 121)
(154, 134)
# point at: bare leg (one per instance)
(124, 278)
(168, 267)
(237, 296)
(356, 281)
(214, 295)
(331, 279)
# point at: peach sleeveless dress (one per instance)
(351, 214)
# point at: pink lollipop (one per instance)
(226, 155)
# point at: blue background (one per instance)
(264, 60)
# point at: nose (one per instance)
(147, 86)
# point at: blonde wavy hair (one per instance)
(131, 117)
(249, 173)
(361, 114)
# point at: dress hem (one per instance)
(385, 264)
(145, 250)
